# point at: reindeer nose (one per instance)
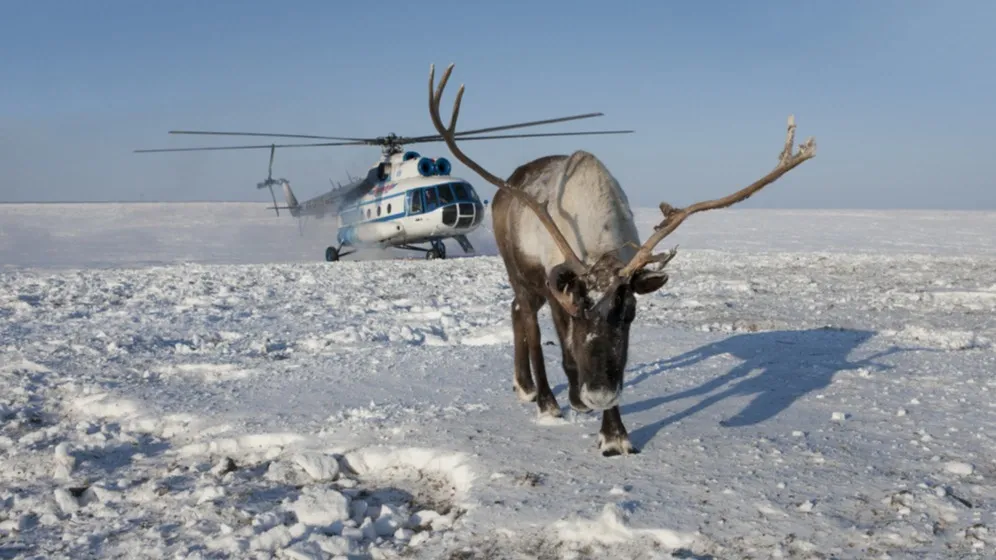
(600, 397)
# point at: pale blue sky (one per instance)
(899, 93)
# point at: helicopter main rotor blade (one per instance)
(525, 124)
(261, 147)
(462, 133)
(389, 140)
(308, 136)
(535, 135)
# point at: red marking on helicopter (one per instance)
(376, 191)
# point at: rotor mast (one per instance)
(390, 144)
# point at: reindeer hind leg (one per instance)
(544, 395)
(522, 380)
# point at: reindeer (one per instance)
(585, 259)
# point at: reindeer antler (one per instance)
(674, 216)
(540, 209)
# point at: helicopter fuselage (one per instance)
(411, 210)
(405, 199)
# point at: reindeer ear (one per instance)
(566, 288)
(563, 279)
(645, 281)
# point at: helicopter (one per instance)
(406, 199)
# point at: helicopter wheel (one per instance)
(438, 251)
(331, 254)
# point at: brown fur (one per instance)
(593, 343)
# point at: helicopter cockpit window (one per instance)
(461, 192)
(445, 194)
(430, 198)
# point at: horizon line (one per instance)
(634, 207)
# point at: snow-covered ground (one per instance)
(188, 381)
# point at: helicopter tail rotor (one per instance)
(270, 182)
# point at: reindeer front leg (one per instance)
(560, 318)
(612, 438)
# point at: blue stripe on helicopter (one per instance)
(377, 201)
(401, 214)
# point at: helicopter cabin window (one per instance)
(460, 191)
(445, 194)
(388, 208)
(415, 202)
(378, 210)
(368, 213)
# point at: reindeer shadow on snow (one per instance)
(791, 364)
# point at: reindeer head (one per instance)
(599, 300)
(599, 305)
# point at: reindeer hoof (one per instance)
(616, 445)
(580, 408)
(550, 410)
(524, 395)
(554, 414)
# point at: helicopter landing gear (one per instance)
(438, 251)
(333, 254)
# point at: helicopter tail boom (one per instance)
(291, 201)
(292, 204)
